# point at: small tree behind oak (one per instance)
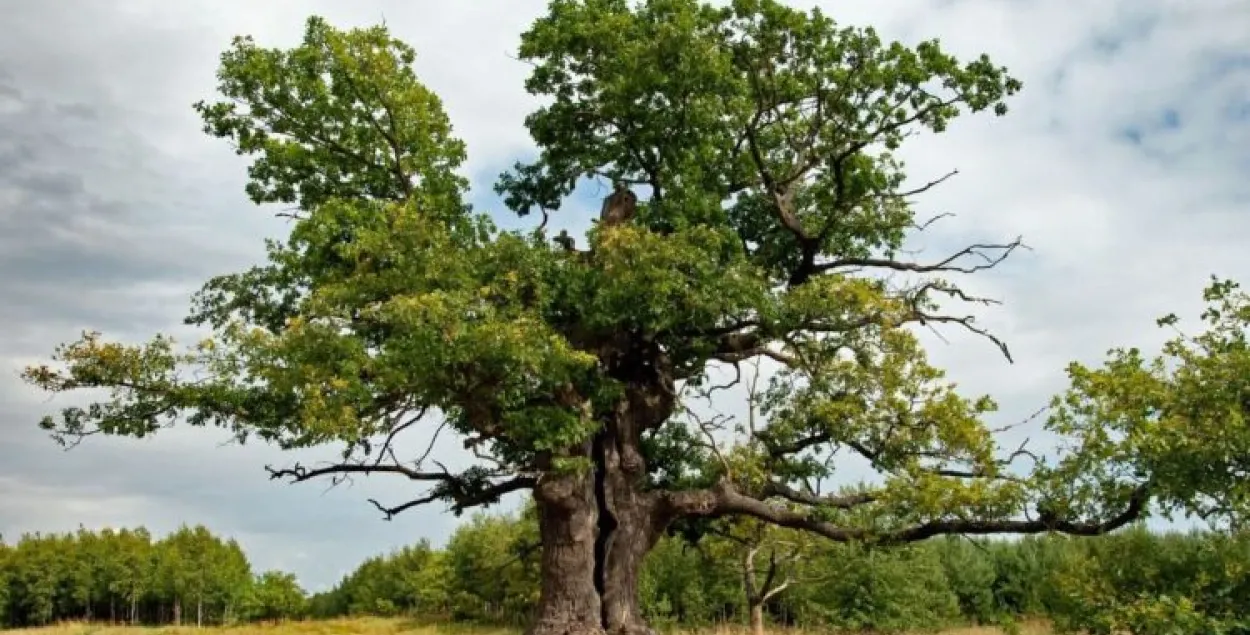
(756, 202)
(768, 560)
(767, 556)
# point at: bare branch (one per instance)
(967, 323)
(989, 254)
(396, 428)
(389, 513)
(468, 489)
(433, 439)
(773, 592)
(758, 351)
(922, 189)
(298, 473)
(927, 223)
(705, 428)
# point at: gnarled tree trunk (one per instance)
(567, 513)
(597, 529)
(628, 529)
(625, 551)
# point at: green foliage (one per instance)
(493, 562)
(683, 585)
(970, 575)
(386, 295)
(6, 568)
(886, 591)
(1147, 584)
(1175, 426)
(321, 114)
(412, 580)
(1135, 581)
(764, 137)
(275, 595)
(124, 576)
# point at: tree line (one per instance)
(488, 572)
(190, 576)
(1136, 581)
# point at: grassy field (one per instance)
(380, 626)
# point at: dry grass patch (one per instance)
(393, 626)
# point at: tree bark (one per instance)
(597, 529)
(569, 603)
(629, 524)
(757, 618)
(625, 552)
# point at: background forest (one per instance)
(488, 574)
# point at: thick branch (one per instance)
(777, 450)
(831, 501)
(722, 500)
(298, 473)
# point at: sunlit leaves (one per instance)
(387, 299)
(676, 283)
(1176, 423)
(705, 105)
(341, 116)
(145, 394)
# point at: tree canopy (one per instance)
(757, 208)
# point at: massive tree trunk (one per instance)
(624, 552)
(629, 523)
(597, 529)
(567, 512)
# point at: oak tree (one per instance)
(759, 204)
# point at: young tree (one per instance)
(768, 560)
(274, 596)
(136, 573)
(755, 201)
(231, 579)
(172, 575)
(492, 568)
(38, 570)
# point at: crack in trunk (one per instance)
(603, 523)
(606, 523)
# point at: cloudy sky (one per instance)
(1123, 164)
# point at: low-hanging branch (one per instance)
(724, 500)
